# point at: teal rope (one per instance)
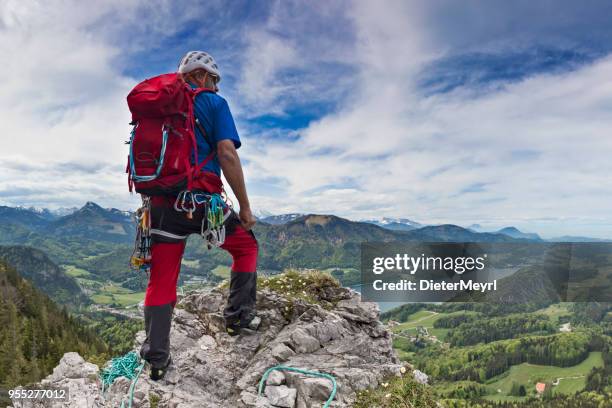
(262, 383)
(128, 366)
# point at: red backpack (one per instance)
(163, 151)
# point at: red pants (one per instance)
(169, 232)
(166, 264)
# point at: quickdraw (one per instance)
(141, 256)
(216, 207)
(213, 228)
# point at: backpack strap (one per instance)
(209, 142)
(213, 148)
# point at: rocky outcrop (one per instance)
(336, 334)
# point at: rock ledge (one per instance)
(211, 369)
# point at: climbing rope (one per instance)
(262, 383)
(128, 366)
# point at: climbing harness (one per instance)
(128, 366)
(262, 383)
(216, 210)
(141, 256)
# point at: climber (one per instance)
(215, 133)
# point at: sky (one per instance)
(490, 112)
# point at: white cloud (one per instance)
(423, 155)
(265, 57)
(296, 57)
(63, 100)
(534, 153)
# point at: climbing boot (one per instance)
(232, 327)
(235, 327)
(157, 373)
(254, 323)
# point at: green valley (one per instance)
(495, 356)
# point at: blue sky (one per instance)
(488, 112)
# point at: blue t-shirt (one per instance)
(214, 115)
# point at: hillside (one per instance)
(35, 266)
(316, 241)
(452, 233)
(516, 233)
(35, 332)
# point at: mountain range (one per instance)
(117, 225)
(91, 221)
(100, 241)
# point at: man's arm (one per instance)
(232, 169)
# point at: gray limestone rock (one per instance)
(281, 396)
(212, 369)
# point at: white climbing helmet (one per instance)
(199, 59)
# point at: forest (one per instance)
(499, 328)
(35, 332)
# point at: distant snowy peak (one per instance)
(63, 211)
(91, 207)
(43, 212)
(398, 224)
(259, 214)
(405, 221)
(281, 219)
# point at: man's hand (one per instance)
(232, 169)
(246, 218)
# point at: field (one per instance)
(122, 299)
(426, 319)
(556, 311)
(106, 292)
(572, 378)
(75, 272)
